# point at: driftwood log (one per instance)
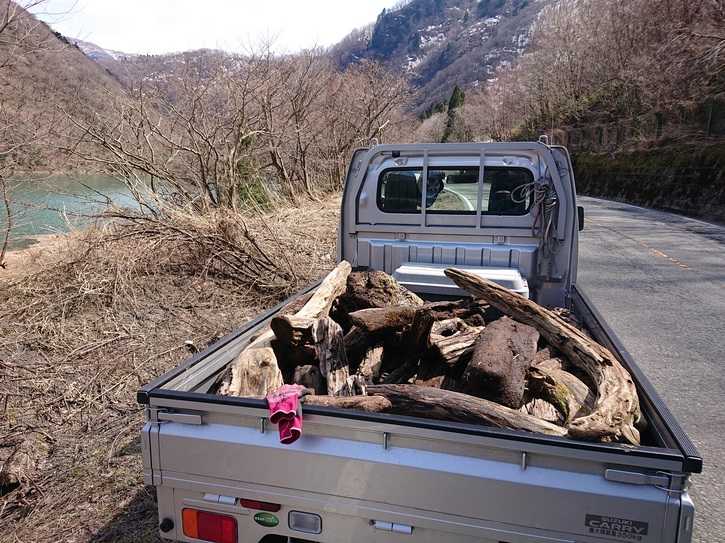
(448, 355)
(471, 311)
(541, 409)
(439, 404)
(370, 366)
(566, 392)
(616, 410)
(370, 404)
(414, 342)
(375, 289)
(501, 357)
(310, 377)
(256, 371)
(383, 320)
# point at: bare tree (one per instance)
(609, 59)
(21, 37)
(280, 125)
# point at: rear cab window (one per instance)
(454, 190)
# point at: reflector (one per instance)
(260, 506)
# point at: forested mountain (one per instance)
(441, 43)
(44, 78)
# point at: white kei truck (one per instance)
(507, 211)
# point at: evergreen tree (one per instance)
(456, 101)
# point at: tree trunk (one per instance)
(501, 357)
(617, 406)
(433, 403)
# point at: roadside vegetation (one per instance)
(599, 61)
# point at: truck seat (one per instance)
(502, 187)
(401, 192)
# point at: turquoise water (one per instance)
(51, 205)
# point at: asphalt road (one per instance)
(659, 281)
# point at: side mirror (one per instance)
(580, 217)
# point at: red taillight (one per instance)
(260, 506)
(209, 526)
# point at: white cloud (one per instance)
(159, 26)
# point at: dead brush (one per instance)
(81, 333)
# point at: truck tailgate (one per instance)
(354, 473)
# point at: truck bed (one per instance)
(451, 481)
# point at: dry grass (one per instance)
(91, 322)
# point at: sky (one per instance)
(164, 26)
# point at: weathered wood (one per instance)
(448, 355)
(435, 382)
(288, 328)
(464, 309)
(370, 404)
(256, 371)
(568, 394)
(357, 342)
(414, 343)
(501, 357)
(310, 377)
(370, 367)
(541, 409)
(449, 327)
(617, 406)
(375, 289)
(433, 403)
(328, 341)
(384, 319)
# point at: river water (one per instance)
(51, 205)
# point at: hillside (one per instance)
(441, 43)
(44, 78)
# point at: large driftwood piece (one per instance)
(371, 404)
(501, 357)
(375, 289)
(330, 348)
(432, 403)
(256, 371)
(617, 406)
(383, 320)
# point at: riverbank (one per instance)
(21, 260)
(87, 319)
